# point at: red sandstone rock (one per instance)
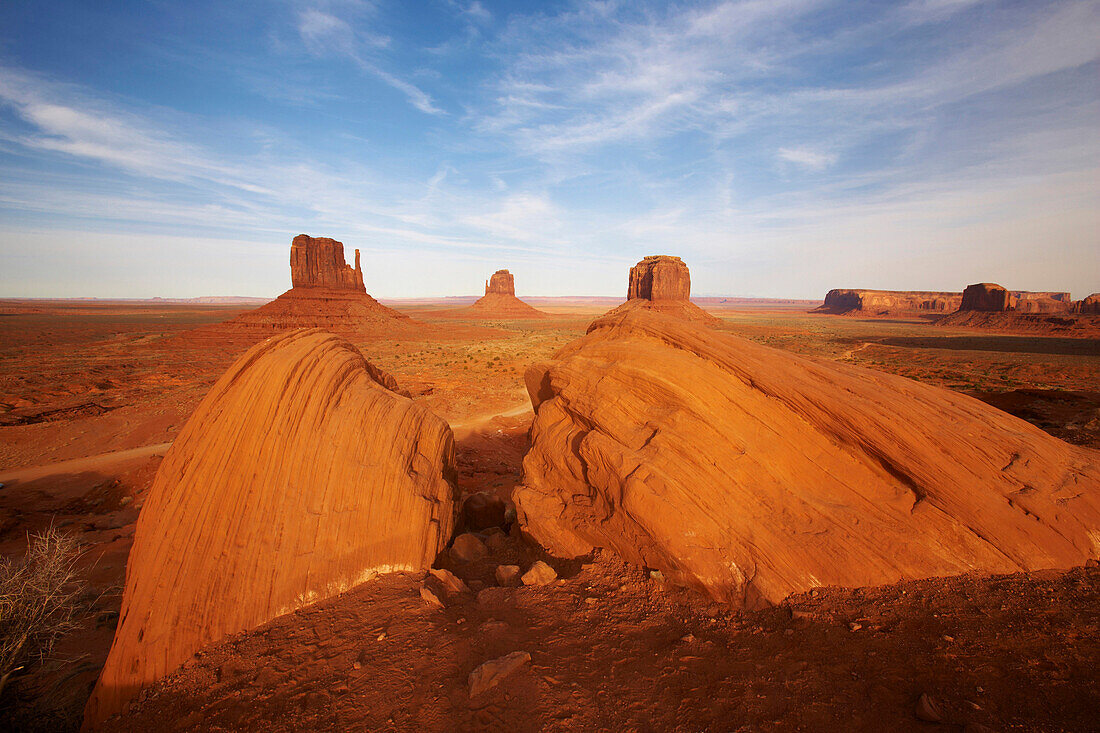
(319, 263)
(327, 294)
(494, 671)
(1089, 305)
(986, 297)
(498, 303)
(889, 302)
(301, 474)
(752, 473)
(662, 283)
(501, 282)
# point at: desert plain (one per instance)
(93, 393)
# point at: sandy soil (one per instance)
(91, 394)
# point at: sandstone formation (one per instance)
(888, 302)
(985, 297)
(501, 283)
(1089, 305)
(327, 293)
(498, 303)
(662, 283)
(319, 263)
(752, 473)
(302, 473)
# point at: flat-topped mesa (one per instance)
(501, 283)
(986, 297)
(659, 277)
(1089, 305)
(662, 283)
(888, 302)
(319, 263)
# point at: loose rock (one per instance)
(508, 574)
(539, 574)
(491, 673)
(467, 548)
(928, 709)
(452, 584)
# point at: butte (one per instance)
(662, 283)
(326, 293)
(498, 303)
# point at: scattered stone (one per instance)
(491, 673)
(687, 638)
(507, 574)
(430, 597)
(539, 574)
(467, 548)
(854, 626)
(452, 584)
(496, 541)
(928, 709)
(657, 575)
(125, 500)
(948, 638)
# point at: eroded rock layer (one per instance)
(985, 297)
(301, 474)
(501, 283)
(752, 473)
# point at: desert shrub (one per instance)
(38, 600)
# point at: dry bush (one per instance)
(38, 600)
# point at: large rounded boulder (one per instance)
(751, 473)
(301, 474)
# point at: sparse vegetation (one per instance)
(38, 600)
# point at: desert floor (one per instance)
(93, 393)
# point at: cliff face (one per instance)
(301, 474)
(319, 263)
(501, 283)
(752, 473)
(882, 302)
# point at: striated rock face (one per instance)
(319, 263)
(662, 283)
(501, 282)
(1089, 305)
(752, 473)
(884, 302)
(1024, 301)
(301, 474)
(659, 277)
(986, 297)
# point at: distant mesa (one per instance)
(301, 474)
(888, 302)
(986, 298)
(1089, 305)
(662, 283)
(327, 293)
(990, 306)
(752, 473)
(498, 303)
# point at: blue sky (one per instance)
(781, 147)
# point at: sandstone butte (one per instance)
(499, 302)
(662, 283)
(991, 306)
(751, 473)
(895, 302)
(301, 474)
(326, 293)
